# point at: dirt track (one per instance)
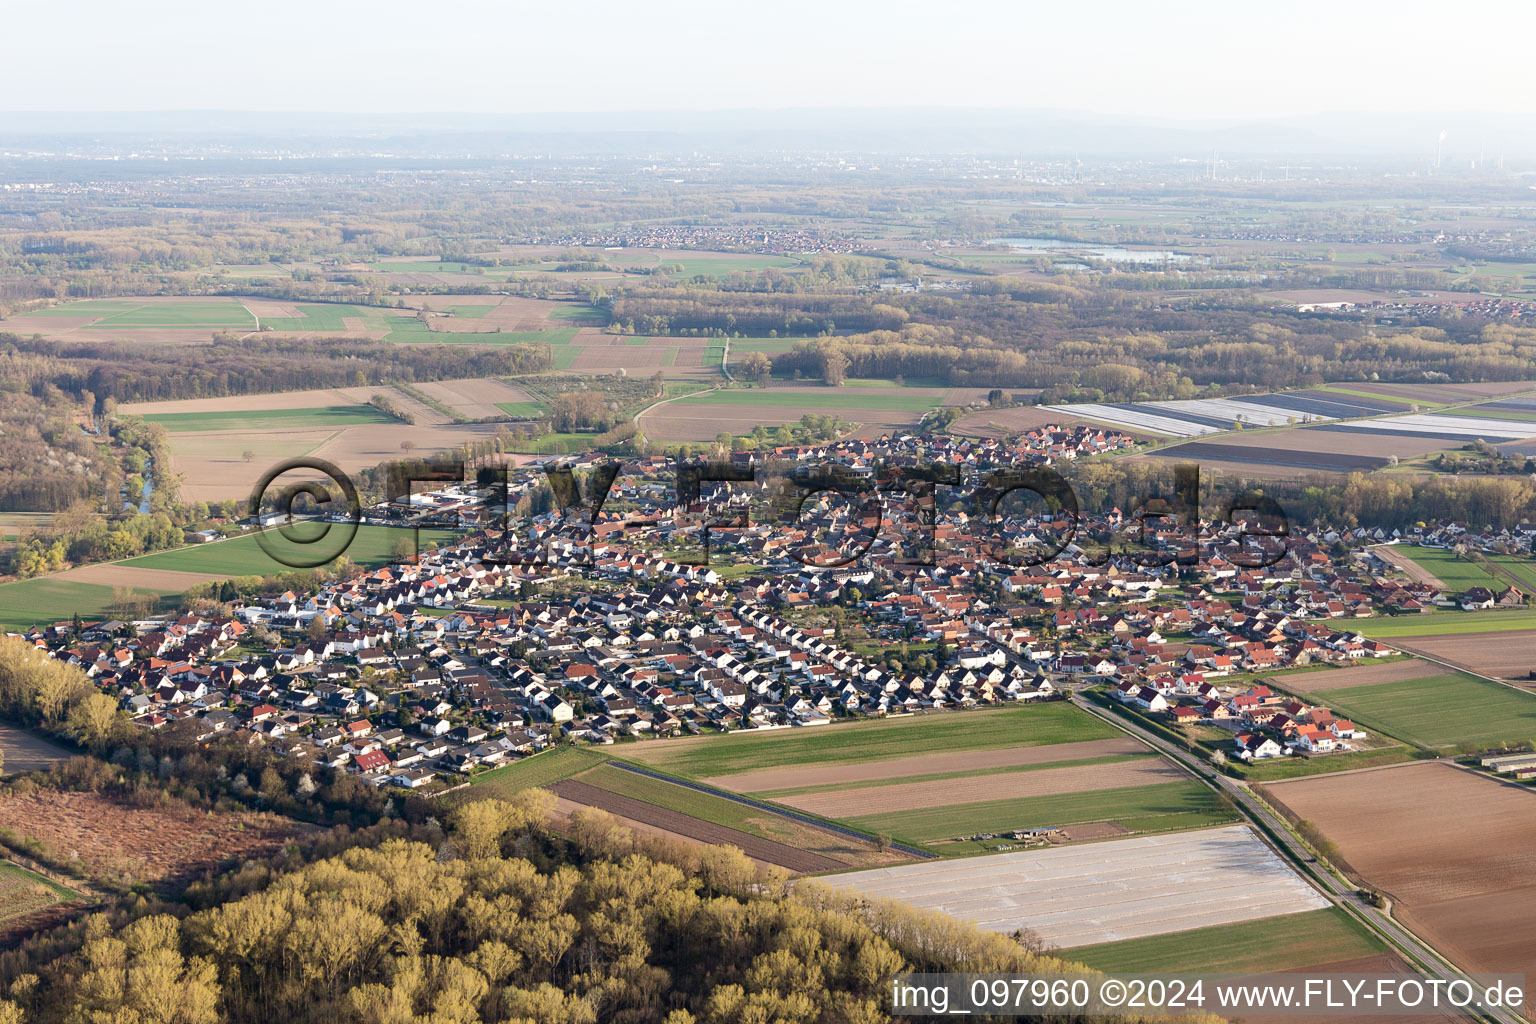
(694, 828)
(847, 803)
(1455, 850)
(926, 764)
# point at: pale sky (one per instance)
(1196, 61)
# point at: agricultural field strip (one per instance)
(1454, 848)
(796, 777)
(268, 419)
(983, 788)
(1148, 807)
(1445, 624)
(730, 806)
(689, 826)
(1195, 417)
(1450, 426)
(1356, 675)
(1103, 892)
(1309, 940)
(1509, 655)
(1038, 725)
(962, 773)
(1439, 710)
(1136, 420)
(1245, 412)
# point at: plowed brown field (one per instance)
(926, 764)
(1508, 655)
(848, 803)
(1455, 850)
(695, 828)
(1359, 675)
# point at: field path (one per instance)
(923, 764)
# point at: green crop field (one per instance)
(1440, 711)
(589, 316)
(1477, 412)
(1457, 573)
(771, 346)
(86, 307)
(836, 398)
(1492, 571)
(1398, 399)
(1276, 768)
(44, 600)
(554, 444)
(529, 409)
(118, 314)
(268, 419)
(854, 742)
(1161, 807)
(243, 556)
(1309, 939)
(179, 314)
(319, 316)
(1442, 622)
(896, 780)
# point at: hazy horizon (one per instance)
(1204, 64)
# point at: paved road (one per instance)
(1341, 893)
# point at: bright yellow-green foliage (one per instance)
(464, 932)
(38, 690)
